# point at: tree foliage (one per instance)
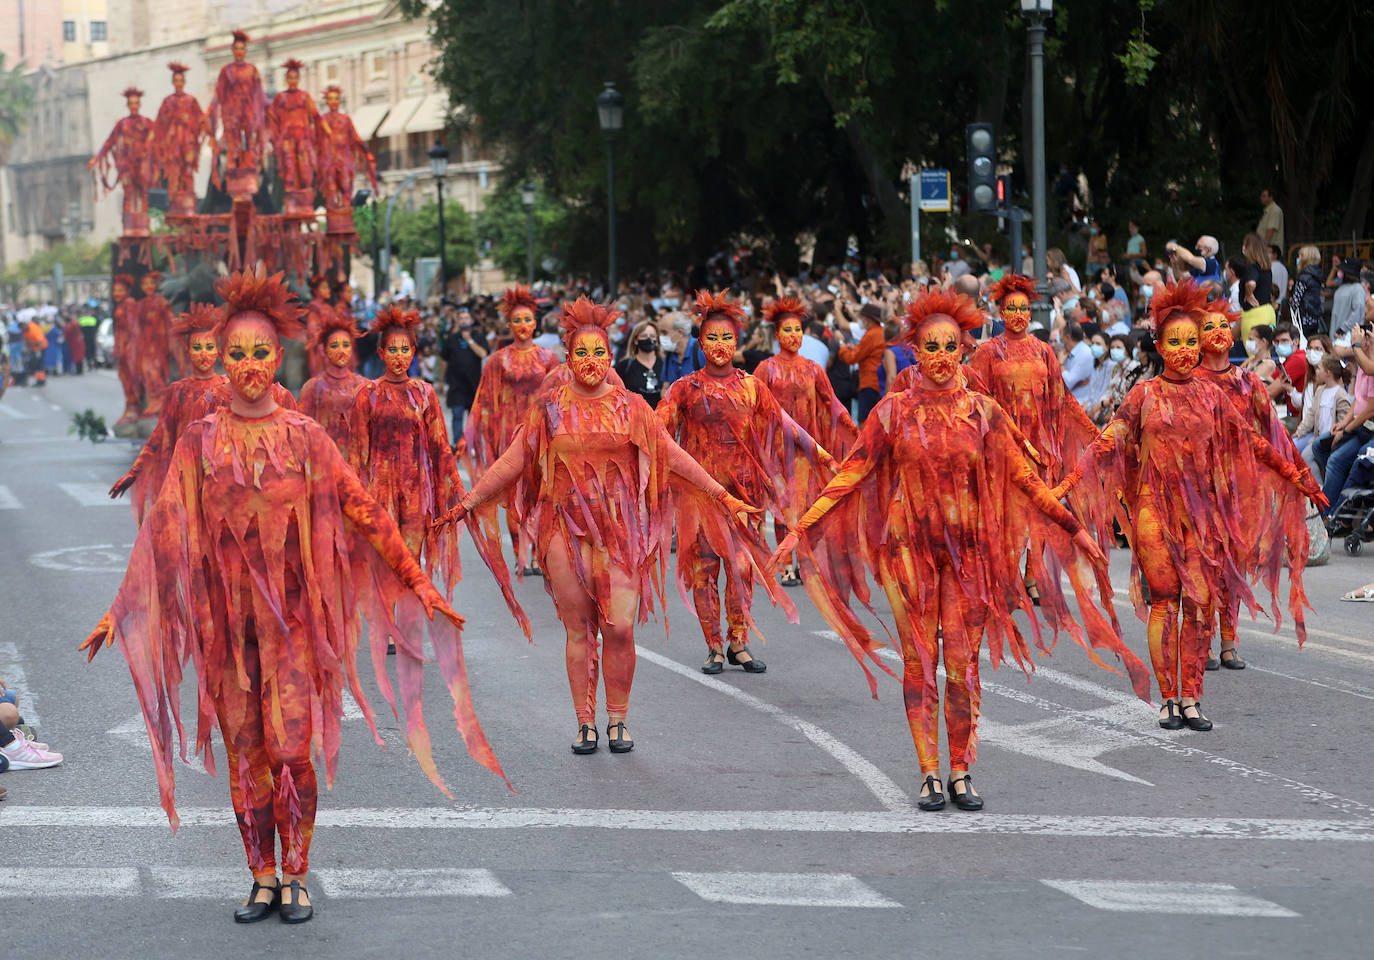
(761, 120)
(415, 233)
(16, 101)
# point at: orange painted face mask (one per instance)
(790, 334)
(252, 354)
(1216, 333)
(1179, 347)
(338, 349)
(1016, 312)
(204, 352)
(397, 355)
(718, 342)
(938, 349)
(522, 326)
(590, 358)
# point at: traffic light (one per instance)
(982, 167)
(1003, 191)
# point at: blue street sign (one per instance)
(935, 191)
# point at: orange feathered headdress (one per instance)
(154, 275)
(516, 298)
(717, 306)
(201, 318)
(124, 279)
(176, 66)
(316, 280)
(942, 303)
(1012, 283)
(784, 307)
(292, 64)
(1222, 304)
(253, 291)
(240, 36)
(334, 321)
(394, 317)
(131, 92)
(1177, 301)
(584, 314)
(333, 88)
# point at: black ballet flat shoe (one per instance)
(935, 798)
(255, 910)
(391, 649)
(618, 743)
(713, 666)
(1198, 722)
(752, 665)
(295, 911)
(1173, 718)
(968, 800)
(1212, 664)
(586, 741)
(1233, 662)
(533, 571)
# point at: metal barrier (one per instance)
(1363, 249)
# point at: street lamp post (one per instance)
(527, 198)
(1036, 11)
(438, 165)
(610, 109)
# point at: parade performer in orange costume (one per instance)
(318, 313)
(175, 147)
(300, 141)
(731, 424)
(123, 159)
(1263, 493)
(328, 396)
(248, 568)
(126, 345)
(1168, 467)
(239, 110)
(511, 378)
(802, 388)
(590, 468)
(185, 402)
(154, 342)
(346, 151)
(935, 500)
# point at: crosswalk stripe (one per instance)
(8, 501)
(1206, 899)
(71, 882)
(784, 889)
(7, 411)
(91, 495)
(441, 882)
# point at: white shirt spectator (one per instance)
(815, 350)
(1078, 369)
(1279, 274)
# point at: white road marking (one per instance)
(199, 883)
(7, 411)
(134, 732)
(784, 889)
(351, 710)
(1314, 683)
(90, 558)
(878, 783)
(12, 671)
(91, 495)
(68, 882)
(8, 501)
(443, 882)
(1205, 899)
(17, 816)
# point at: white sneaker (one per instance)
(24, 754)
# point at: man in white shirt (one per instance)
(813, 347)
(1278, 272)
(1078, 365)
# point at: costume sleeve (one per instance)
(682, 465)
(1025, 478)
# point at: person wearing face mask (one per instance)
(1290, 374)
(1259, 353)
(601, 503)
(642, 368)
(248, 567)
(510, 383)
(328, 396)
(1170, 457)
(1127, 371)
(1101, 375)
(936, 502)
(733, 426)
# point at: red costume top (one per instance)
(177, 133)
(329, 396)
(300, 141)
(239, 110)
(346, 151)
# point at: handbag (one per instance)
(1318, 541)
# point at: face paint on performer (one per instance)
(590, 358)
(718, 343)
(1179, 346)
(321, 291)
(119, 292)
(252, 354)
(204, 353)
(240, 51)
(1216, 333)
(790, 334)
(331, 100)
(938, 349)
(178, 82)
(397, 354)
(1016, 313)
(521, 324)
(148, 284)
(338, 350)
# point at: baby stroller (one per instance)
(1353, 517)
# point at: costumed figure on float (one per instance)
(730, 423)
(153, 343)
(510, 385)
(317, 313)
(346, 152)
(590, 468)
(1168, 468)
(328, 396)
(126, 351)
(236, 120)
(300, 143)
(175, 149)
(248, 568)
(123, 160)
(935, 501)
(802, 388)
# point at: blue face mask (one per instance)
(1147, 291)
(1118, 354)
(1070, 303)
(1283, 349)
(671, 302)
(1098, 351)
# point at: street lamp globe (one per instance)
(527, 195)
(438, 161)
(1045, 7)
(610, 108)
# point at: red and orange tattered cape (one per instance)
(261, 520)
(185, 402)
(939, 476)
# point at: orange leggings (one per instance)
(583, 620)
(959, 621)
(1178, 653)
(706, 596)
(267, 731)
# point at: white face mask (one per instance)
(1314, 356)
(1251, 346)
(665, 341)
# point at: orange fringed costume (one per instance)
(731, 424)
(590, 474)
(248, 567)
(510, 385)
(1168, 467)
(935, 501)
(328, 396)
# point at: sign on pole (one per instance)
(935, 191)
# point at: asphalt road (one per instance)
(759, 816)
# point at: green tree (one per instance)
(415, 233)
(16, 101)
(501, 230)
